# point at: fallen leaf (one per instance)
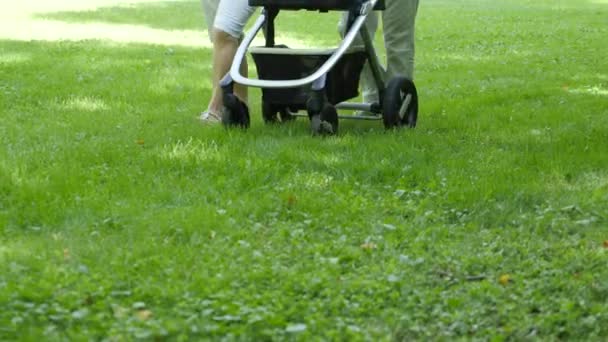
(66, 254)
(505, 279)
(291, 200)
(605, 243)
(369, 246)
(139, 141)
(144, 315)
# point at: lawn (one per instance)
(122, 217)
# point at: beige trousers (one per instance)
(398, 23)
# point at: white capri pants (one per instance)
(232, 16)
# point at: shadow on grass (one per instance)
(168, 15)
(188, 15)
(81, 91)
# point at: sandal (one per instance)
(210, 117)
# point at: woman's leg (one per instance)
(230, 20)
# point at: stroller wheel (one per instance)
(236, 112)
(400, 107)
(269, 113)
(326, 122)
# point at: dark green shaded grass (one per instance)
(170, 15)
(115, 200)
(188, 15)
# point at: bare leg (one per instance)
(224, 49)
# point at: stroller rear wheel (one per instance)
(236, 112)
(400, 107)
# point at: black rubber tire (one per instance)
(395, 93)
(236, 112)
(326, 122)
(269, 114)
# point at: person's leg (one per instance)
(399, 20)
(224, 49)
(230, 20)
(367, 83)
(209, 11)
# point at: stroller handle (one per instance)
(235, 73)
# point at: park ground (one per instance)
(122, 217)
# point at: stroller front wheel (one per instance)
(235, 113)
(400, 106)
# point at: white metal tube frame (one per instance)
(235, 75)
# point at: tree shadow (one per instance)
(188, 15)
(167, 15)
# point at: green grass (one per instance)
(122, 217)
(171, 15)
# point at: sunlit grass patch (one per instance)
(7, 57)
(597, 90)
(167, 15)
(196, 150)
(84, 104)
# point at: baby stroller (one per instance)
(318, 81)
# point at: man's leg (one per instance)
(399, 21)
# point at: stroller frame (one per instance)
(398, 102)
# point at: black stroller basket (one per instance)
(274, 64)
(280, 64)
